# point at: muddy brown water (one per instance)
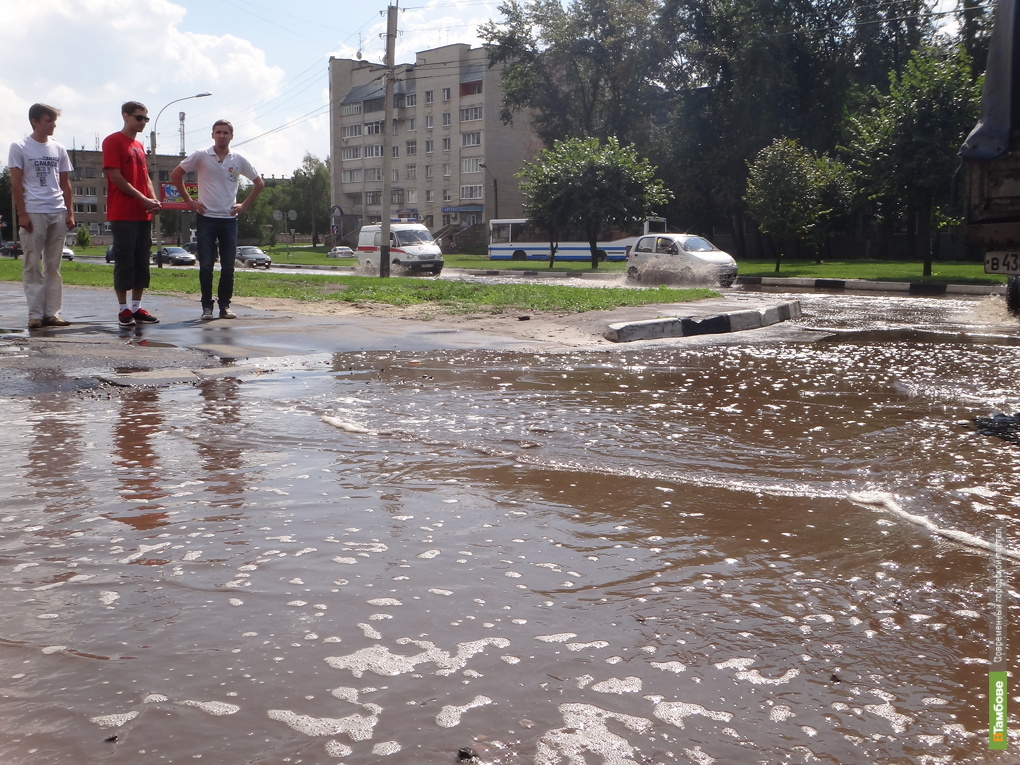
(740, 553)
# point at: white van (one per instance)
(412, 248)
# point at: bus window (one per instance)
(500, 232)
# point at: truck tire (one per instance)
(1013, 295)
(519, 255)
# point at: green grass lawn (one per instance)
(900, 271)
(452, 296)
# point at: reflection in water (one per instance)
(743, 553)
(135, 433)
(219, 448)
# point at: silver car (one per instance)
(684, 257)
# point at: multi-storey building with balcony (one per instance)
(453, 160)
(89, 187)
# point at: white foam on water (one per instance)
(670, 666)
(338, 750)
(155, 698)
(357, 727)
(674, 713)
(898, 721)
(384, 748)
(560, 637)
(428, 554)
(385, 602)
(780, 713)
(380, 660)
(592, 644)
(114, 721)
(370, 632)
(449, 716)
(586, 729)
(215, 708)
(54, 649)
(619, 685)
(884, 502)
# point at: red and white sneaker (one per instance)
(141, 316)
(126, 318)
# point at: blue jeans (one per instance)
(213, 232)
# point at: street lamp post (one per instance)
(154, 171)
(495, 190)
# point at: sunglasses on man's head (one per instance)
(140, 117)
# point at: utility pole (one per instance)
(384, 228)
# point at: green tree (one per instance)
(903, 149)
(590, 185)
(6, 205)
(783, 193)
(82, 238)
(580, 68)
(311, 197)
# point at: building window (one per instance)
(471, 139)
(471, 192)
(348, 109)
(90, 172)
(446, 144)
(470, 89)
(396, 127)
(396, 151)
(446, 195)
(411, 147)
(430, 146)
(411, 99)
(373, 128)
(375, 105)
(85, 207)
(394, 175)
(471, 165)
(373, 173)
(429, 123)
(412, 196)
(446, 119)
(412, 124)
(428, 97)
(374, 150)
(446, 94)
(396, 196)
(446, 169)
(373, 197)
(428, 171)
(470, 114)
(429, 197)
(412, 172)
(354, 200)
(351, 152)
(352, 131)
(351, 176)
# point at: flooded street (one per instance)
(693, 552)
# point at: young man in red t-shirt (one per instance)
(130, 204)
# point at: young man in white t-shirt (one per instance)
(219, 172)
(41, 186)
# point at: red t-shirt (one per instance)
(127, 155)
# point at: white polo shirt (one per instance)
(218, 180)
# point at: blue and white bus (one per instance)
(519, 239)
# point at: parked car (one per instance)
(67, 254)
(340, 252)
(175, 256)
(11, 249)
(252, 256)
(109, 254)
(191, 247)
(685, 257)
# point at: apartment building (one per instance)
(88, 184)
(453, 161)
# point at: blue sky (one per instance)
(264, 61)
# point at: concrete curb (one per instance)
(862, 285)
(734, 321)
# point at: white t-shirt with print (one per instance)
(41, 165)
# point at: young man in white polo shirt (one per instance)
(41, 186)
(219, 172)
